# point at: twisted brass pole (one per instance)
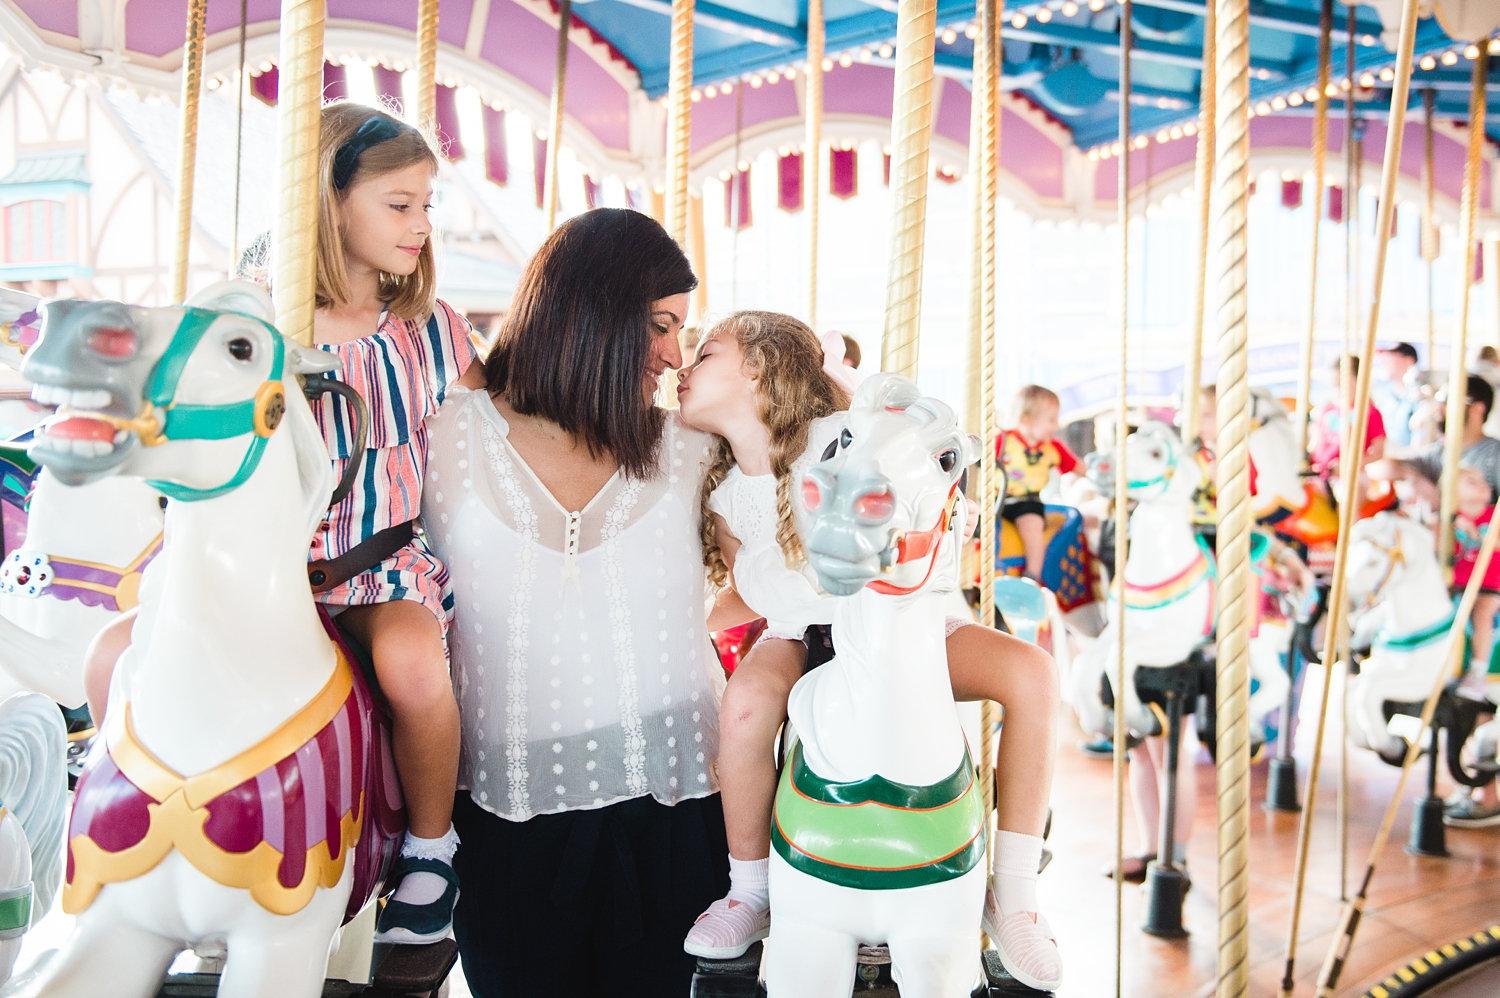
(1457, 372)
(1429, 226)
(1203, 180)
(1320, 166)
(559, 87)
(298, 104)
(812, 153)
(1122, 484)
(426, 82)
(1232, 673)
(187, 156)
(911, 124)
(679, 119)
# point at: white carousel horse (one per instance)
(33, 804)
(244, 795)
(1401, 606)
(75, 561)
(899, 856)
(1170, 589)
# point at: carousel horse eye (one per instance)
(875, 507)
(948, 460)
(812, 496)
(829, 451)
(846, 438)
(241, 348)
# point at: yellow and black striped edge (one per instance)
(1439, 965)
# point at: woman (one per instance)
(565, 504)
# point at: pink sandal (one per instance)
(726, 930)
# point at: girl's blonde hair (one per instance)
(407, 297)
(787, 357)
(1032, 399)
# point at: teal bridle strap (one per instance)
(1131, 484)
(210, 422)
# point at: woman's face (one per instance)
(667, 315)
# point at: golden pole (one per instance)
(426, 82)
(1429, 226)
(1122, 486)
(679, 119)
(1232, 151)
(187, 159)
(559, 85)
(298, 105)
(1204, 181)
(812, 155)
(1320, 166)
(911, 123)
(1351, 459)
(1457, 372)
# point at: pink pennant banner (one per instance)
(1291, 193)
(447, 123)
(334, 85)
(591, 192)
(496, 165)
(789, 182)
(843, 173)
(263, 87)
(742, 196)
(1335, 204)
(388, 86)
(539, 167)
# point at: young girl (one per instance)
(400, 348)
(758, 384)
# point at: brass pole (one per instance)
(298, 106)
(559, 85)
(911, 123)
(1320, 166)
(1204, 182)
(426, 82)
(812, 154)
(1429, 225)
(679, 119)
(187, 157)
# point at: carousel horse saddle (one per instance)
(1459, 716)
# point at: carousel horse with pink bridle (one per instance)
(879, 830)
(73, 557)
(243, 795)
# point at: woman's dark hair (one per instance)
(575, 346)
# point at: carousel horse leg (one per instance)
(268, 958)
(933, 965)
(808, 960)
(102, 956)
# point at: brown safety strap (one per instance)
(328, 573)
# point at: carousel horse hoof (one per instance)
(415, 924)
(726, 930)
(1393, 752)
(1027, 947)
(1133, 868)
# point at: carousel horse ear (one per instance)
(885, 391)
(244, 297)
(15, 304)
(309, 360)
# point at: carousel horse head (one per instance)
(1388, 554)
(1157, 466)
(208, 379)
(883, 497)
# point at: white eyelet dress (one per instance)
(580, 652)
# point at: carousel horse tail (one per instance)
(34, 785)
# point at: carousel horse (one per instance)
(73, 557)
(879, 829)
(1400, 607)
(33, 803)
(1170, 590)
(259, 827)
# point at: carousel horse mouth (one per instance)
(83, 440)
(843, 565)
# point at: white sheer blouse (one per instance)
(580, 652)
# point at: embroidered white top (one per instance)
(580, 652)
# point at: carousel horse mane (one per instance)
(33, 797)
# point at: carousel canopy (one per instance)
(1061, 71)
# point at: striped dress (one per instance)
(403, 372)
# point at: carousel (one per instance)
(1200, 579)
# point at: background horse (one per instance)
(33, 802)
(1401, 607)
(242, 761)
(73, 556)
(879, 831)
(1170, 589)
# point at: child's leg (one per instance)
(99, 661)
(1031, 527)
(405, 642)
(753, 708)
(984, 663)
(1482, 641)
(1186, 797)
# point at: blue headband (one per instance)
(376, 130)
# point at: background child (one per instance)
(1472, 519)
(1027, 455)
(758, 383)
(400, 348)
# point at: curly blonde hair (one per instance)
(787, 357)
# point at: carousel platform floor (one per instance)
(1416, 903)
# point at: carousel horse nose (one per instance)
(113, 342)
(875, 505)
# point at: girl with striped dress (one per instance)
(400, 347)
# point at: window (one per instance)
(36, 232)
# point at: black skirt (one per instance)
(586, 903)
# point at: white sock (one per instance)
(749, 882)
(1013, 871)
(422, 887)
